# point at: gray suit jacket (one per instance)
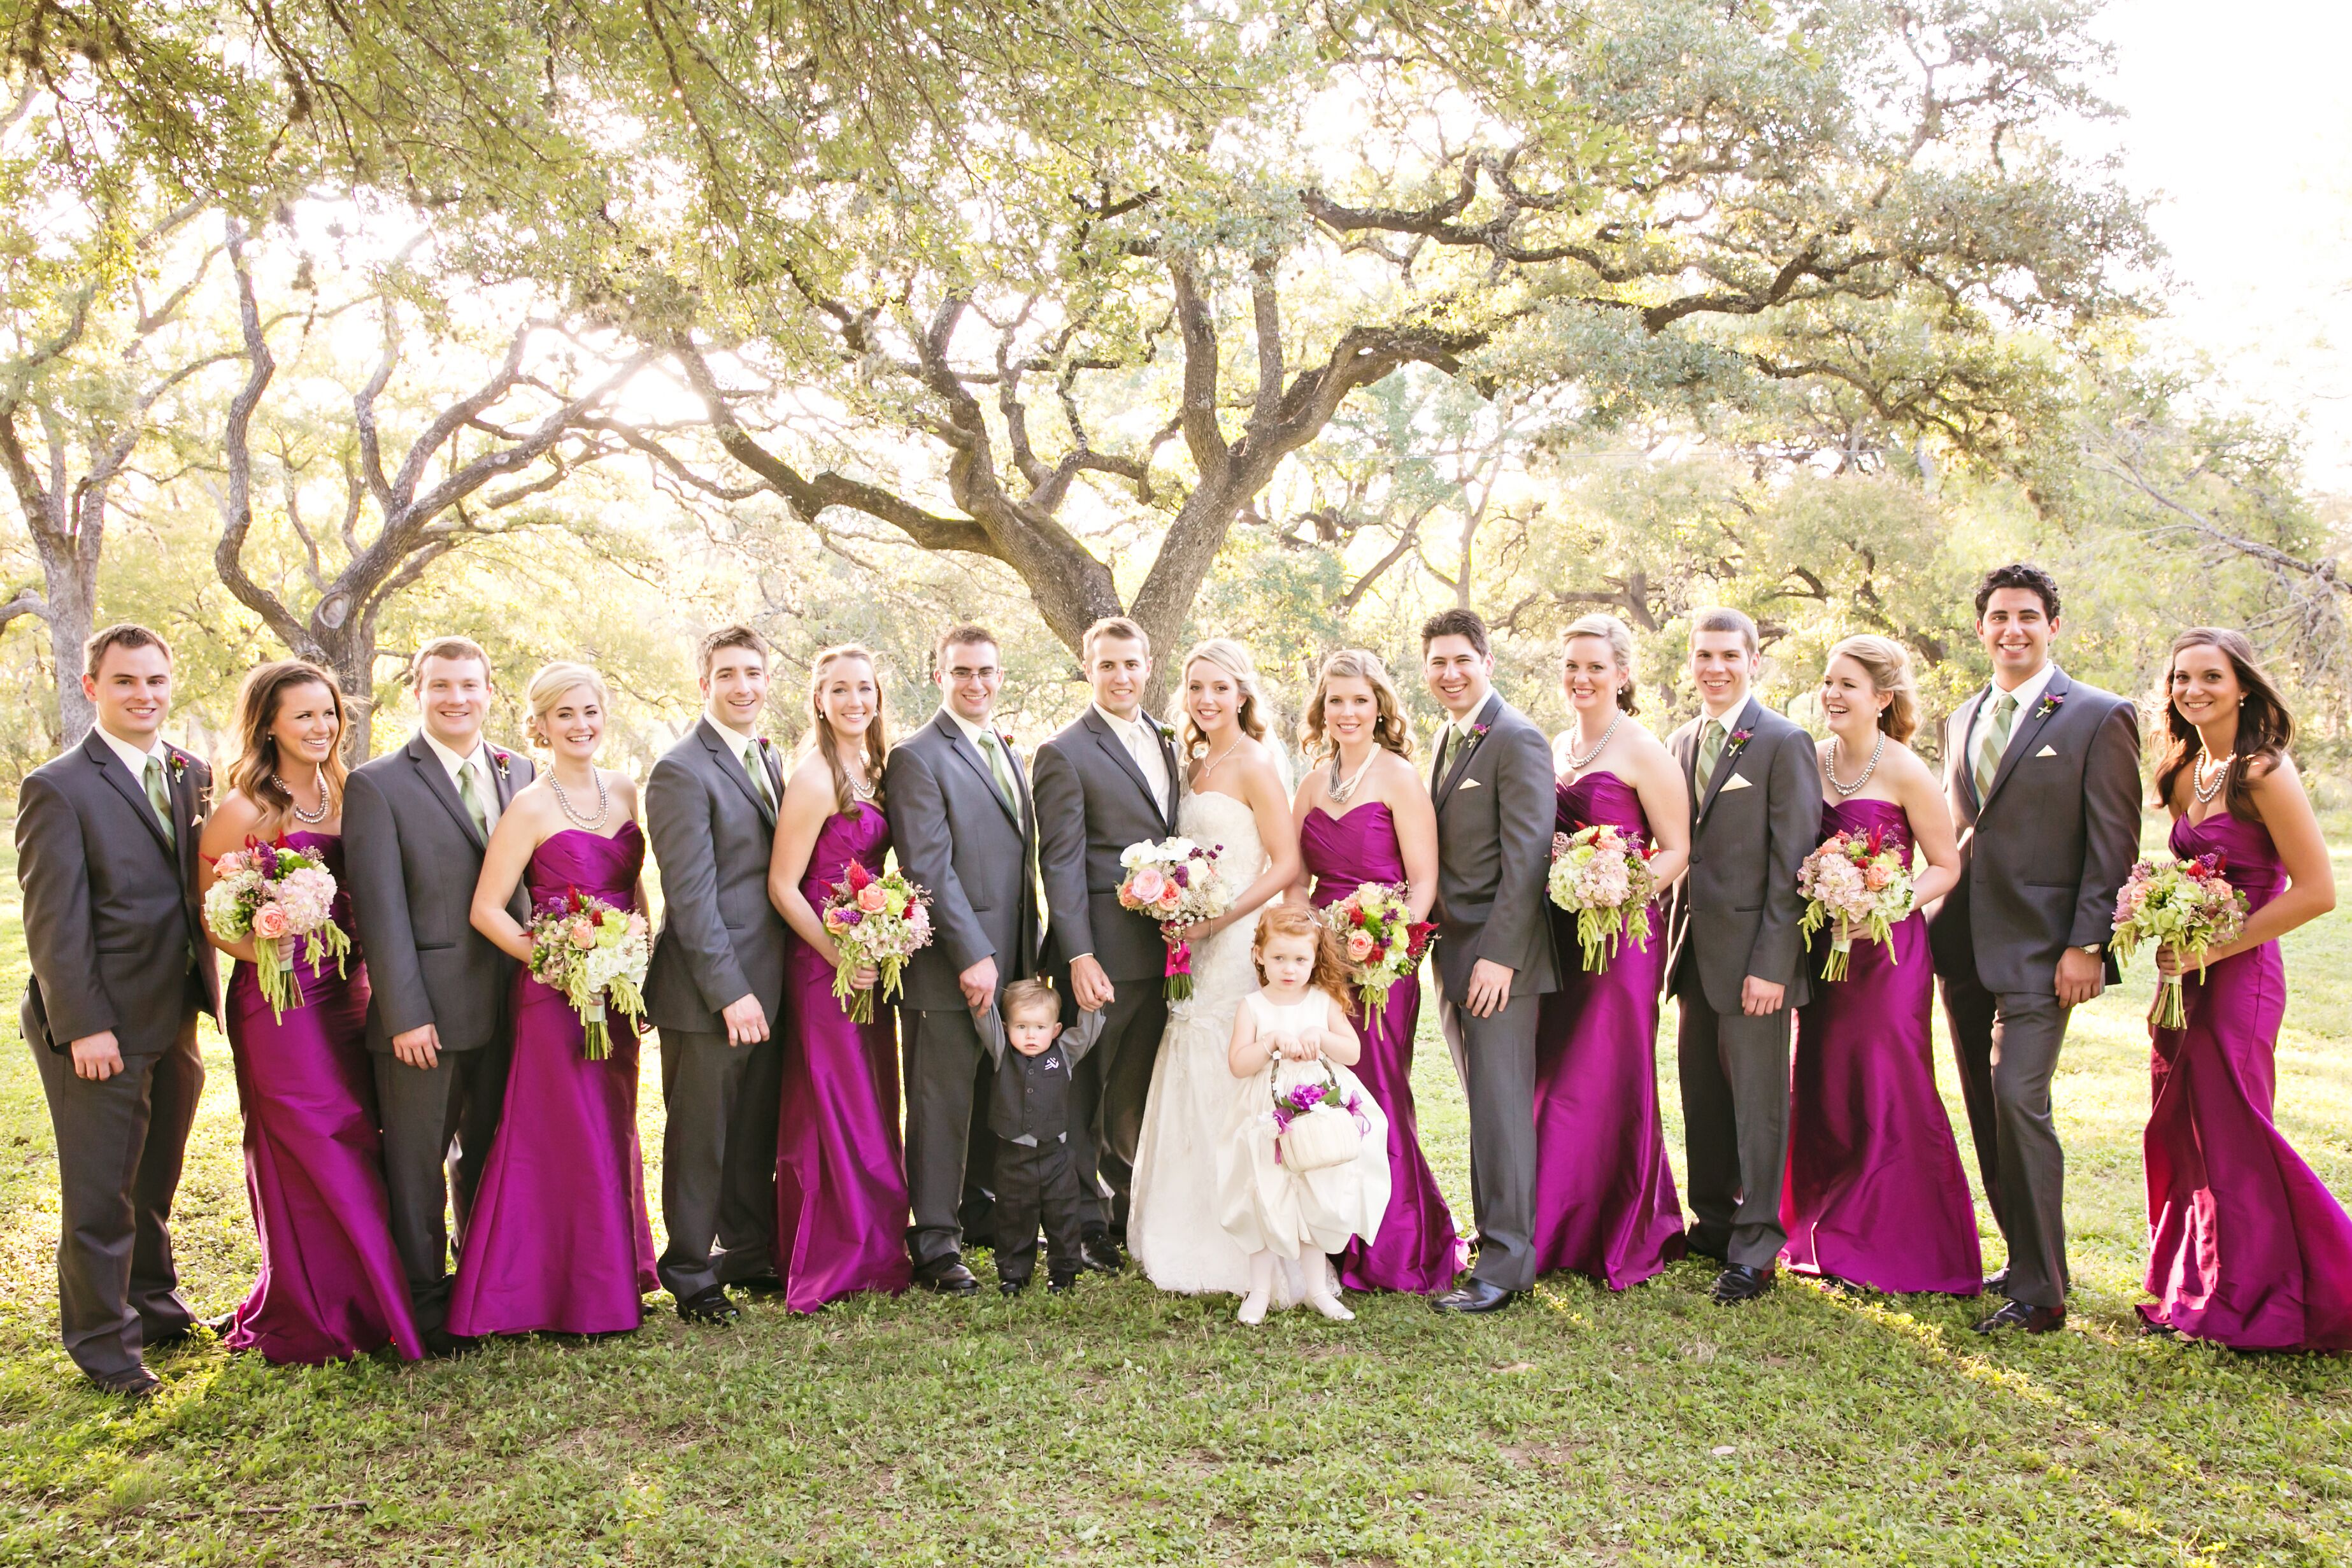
(110, 909)
(1092, 803)
(412, 856)
(1496, 803)
(956, 837)
(2045, 852)
(1736, 911)
(720, 937)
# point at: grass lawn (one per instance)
(1122, 1426)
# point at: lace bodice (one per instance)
(1222, 972)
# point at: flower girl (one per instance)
(1305, 1167)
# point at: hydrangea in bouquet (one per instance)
(595, 955)
(1175, 881)
(278, 896)
(1601, 876)
(874, 921)
(1855, 882)
(2189, 906)
(1382, 941)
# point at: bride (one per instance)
(1235, 798)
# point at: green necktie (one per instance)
(758, 774)
(998, 769)
(470, 792)
(1996, 742)
(160, 797)
(1710, 752)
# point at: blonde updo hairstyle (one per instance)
(1620, 638)
(825, 744)
(1889, 668)
(1235, 660)
(1388, 727)
(550, 686)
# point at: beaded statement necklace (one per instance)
(1846, 791)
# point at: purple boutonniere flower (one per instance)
(178, 765)
(1740, 737)
(503, 762)
(2050, 703)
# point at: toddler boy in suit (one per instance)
(1030, 1111)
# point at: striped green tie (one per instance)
(159, 795)
(1996, 742)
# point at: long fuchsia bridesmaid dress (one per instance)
(841, 1171)
(2248, 1247)
(330, 1285)
(1418, 1249)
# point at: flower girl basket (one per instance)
(1316, 1131)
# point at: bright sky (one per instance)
(2239, 117)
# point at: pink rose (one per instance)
(1147, 884)
(872, 899)
(269, 922)
(584, 934)
(1168, 900)
(1877, 877)
(230, 863)
(1360, 947)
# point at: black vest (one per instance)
(1032, 1097)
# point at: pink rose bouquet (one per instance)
(278, 897)
(1601, 875)
(1176, 882)
(1853, 882)
(596, 955)
(881, 920)
(1383, 942)
(2189, 906)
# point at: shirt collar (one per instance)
(971, 731)
(1132, 728)
(450, 761)
(2027, 692)
(132, 757)
(1728, 716)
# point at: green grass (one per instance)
(1122, 1426)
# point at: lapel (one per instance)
(1100, 728)
(1963, 722)
(109, 767)
(501, 779)
(436, 781)
(2027, 729)
(730, 763)
(183, 791)
(1175, 775)
(960, 744)
(1456, 766)
(1724, 763)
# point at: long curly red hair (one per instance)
(1330, 975)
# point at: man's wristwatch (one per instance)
(2093, 948)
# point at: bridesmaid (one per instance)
(1605, 1199)
(841, 1175)
(330, 1285)
(1875, 1194)
(558, 1241)
(2248, 1247)
(1366, 818)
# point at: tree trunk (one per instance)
(70, 578)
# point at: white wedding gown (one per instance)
(1171, 1226)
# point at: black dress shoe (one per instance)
(760, 1285)
(1997, 1284)
(709, 1306)
(1011, 1287)
(2019, 1315)
(440, 1344)
(1061, 1284)
(1100, 1253)
(954, 1280)
(138, 1385)
(216, 1327)
(1739, 1283)
(1475, 1295)
(1693, 1246)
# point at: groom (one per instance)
(2043, 779)
(1108, 780)
(1492, 782)
(106, 855)
(964, 827)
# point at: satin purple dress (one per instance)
(558, 1241)
(330, 1285)
(1875, 1193)
(2248, 1247)
(841, 1171)
(1417, 1248)
(1605, 1200)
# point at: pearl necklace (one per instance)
(1577, 765)
(604, 802)
(326, 800)
(859, 790)
(1339, 791)
(2205, 793)
(1847, 792)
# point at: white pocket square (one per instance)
(1733, 783)
(1467, 783)
(2046, 752)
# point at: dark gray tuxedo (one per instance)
(412, 856)
(721, 939)
(116, 938)
(1092, 801)
(1735, 913)
(1495, 801)
(2043, 854)
(956, 835)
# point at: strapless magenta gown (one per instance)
(1875, 1192)
(1418, 1249)
(330, 1285)
(1605, 1200)
(558, 1241)
(2248, 1247)
(841, 1171)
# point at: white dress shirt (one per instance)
(2028, 692)
(136, 760)
(1142, 738)
(486, 789)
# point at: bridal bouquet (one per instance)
(595, 955)
(1382, 940)
(879, 921)
(1853, 882)
(2186, 905)
(276, 897)
(1175, 882)
(1601, 876)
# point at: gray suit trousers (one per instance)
(941, 1056)
(1109, 1088)
(1497, 1057)
(2007, 1048)
(718, 1159)
(1734, 1083)
(120, 1142)
(438, 1123)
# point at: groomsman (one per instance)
(439, 1025)
(1734, 953)
(964, 827)
(1492, 782)
(715, 985)
(2043, 778)
(106, 854)
(1108, 780)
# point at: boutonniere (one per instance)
(1739, 738)
(176, 764)
(2050, 703)
(1167, 731)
